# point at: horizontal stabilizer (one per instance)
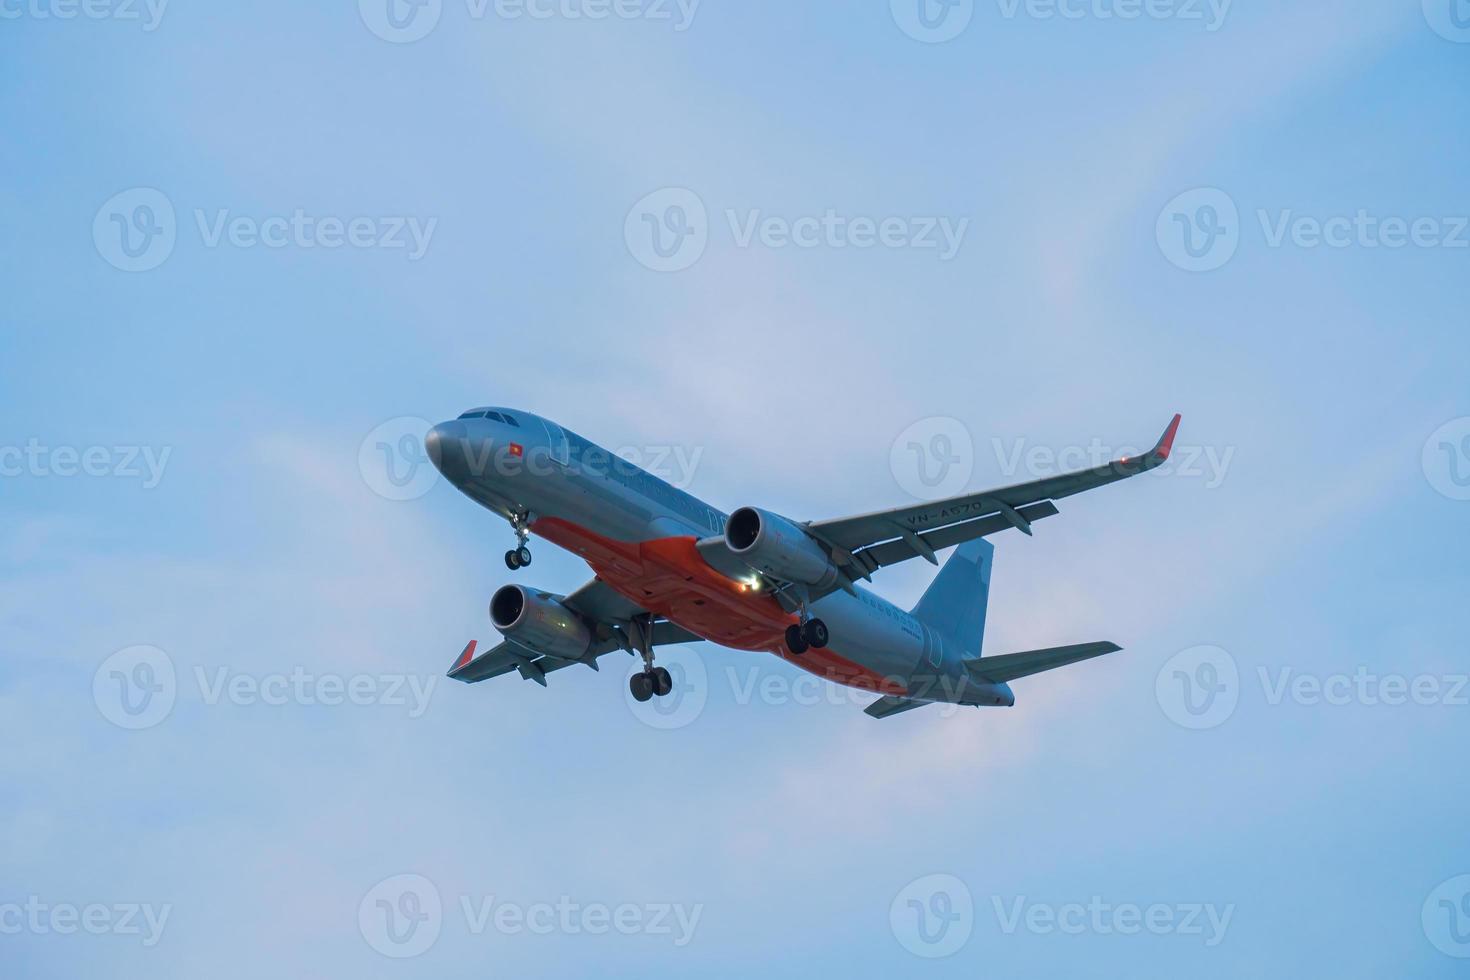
(891, 705)
(1010, 666)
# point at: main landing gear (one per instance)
(809, 635)
(651, 680)
(520, 555)
(647, 683)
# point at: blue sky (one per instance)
(1309, 562)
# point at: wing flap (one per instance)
(901, 549)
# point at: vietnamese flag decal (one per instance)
(516, 450)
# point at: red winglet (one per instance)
(1166, 441)
(464, 658)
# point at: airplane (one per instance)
(670, 569)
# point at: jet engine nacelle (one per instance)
(539, 622)
(775, 546)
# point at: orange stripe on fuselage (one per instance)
(669, 576)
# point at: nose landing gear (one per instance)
(520, 555)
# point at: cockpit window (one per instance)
(473, 415)
(494, 416)
(510, 419)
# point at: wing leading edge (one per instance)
(864, 543)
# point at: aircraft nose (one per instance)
(445, 445)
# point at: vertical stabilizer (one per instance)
(954, 604)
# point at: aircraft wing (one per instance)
(606, 612)
(863, 544)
